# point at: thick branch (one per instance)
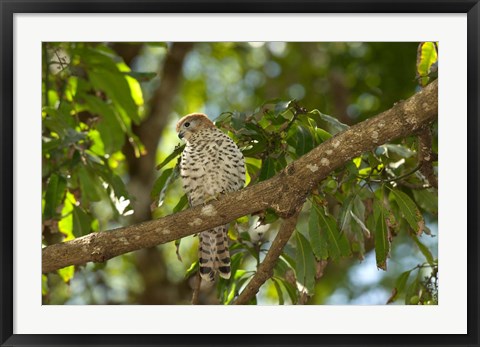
(283, 192)
(265, 269)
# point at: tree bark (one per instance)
(284, 192)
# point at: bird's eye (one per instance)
(186, 125)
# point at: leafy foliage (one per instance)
(90, 103)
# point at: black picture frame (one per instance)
(9, 7)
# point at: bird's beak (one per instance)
(180, 134)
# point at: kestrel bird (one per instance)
(211, 165)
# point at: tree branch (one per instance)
(196, 288)
(283, 192)
(426, 156)
(265, 269)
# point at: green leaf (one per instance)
(412, 290)
(113, 180)
(252, 171)
(281, 266)
(71, 88)
(118, 186)
(291, 290)
(402, 281)
(66, 274)
(318, 238)
(97, 148)
(236, 260)
(110, 126)
(81, 222)
(71, 137)
(359, 207)
(192, 269)
(424, 249)
(333, 122)
(141, 76)
(135, 90)
(95, 57)
(176, 152)
(281, 301)
(322, 135)
(409, 210)
(427, 199)
(287, 258)
(399, 286)
(159, 184)
(344, 217)
(52, 97)
(49, 145)
(116, 86)
(238, 120)
(305, 263)
(44, 284)
(258, 145)
(264, 119)
(361, 224)
(58, 121)
(223, 117)
(382, 240)
(268, 169)
(338, 245)
(181, 204)
(357, 235)
(89, 184)
(65, 225)
(426, 57)
(156, 44)
(305, 141)
(281, 107)
(54, 195)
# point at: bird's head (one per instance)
(192, 123)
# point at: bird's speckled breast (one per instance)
(211, 164)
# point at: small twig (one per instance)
(394, 179)
(298, 110)
(265, 269)
(423, 266)
(196, 289)
(425, 156)
(414, 186)
(61, 61)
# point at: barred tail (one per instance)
(213, 254)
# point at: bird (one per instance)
(211, 165)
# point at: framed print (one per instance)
(239, 173)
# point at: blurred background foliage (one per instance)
(367, 235)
